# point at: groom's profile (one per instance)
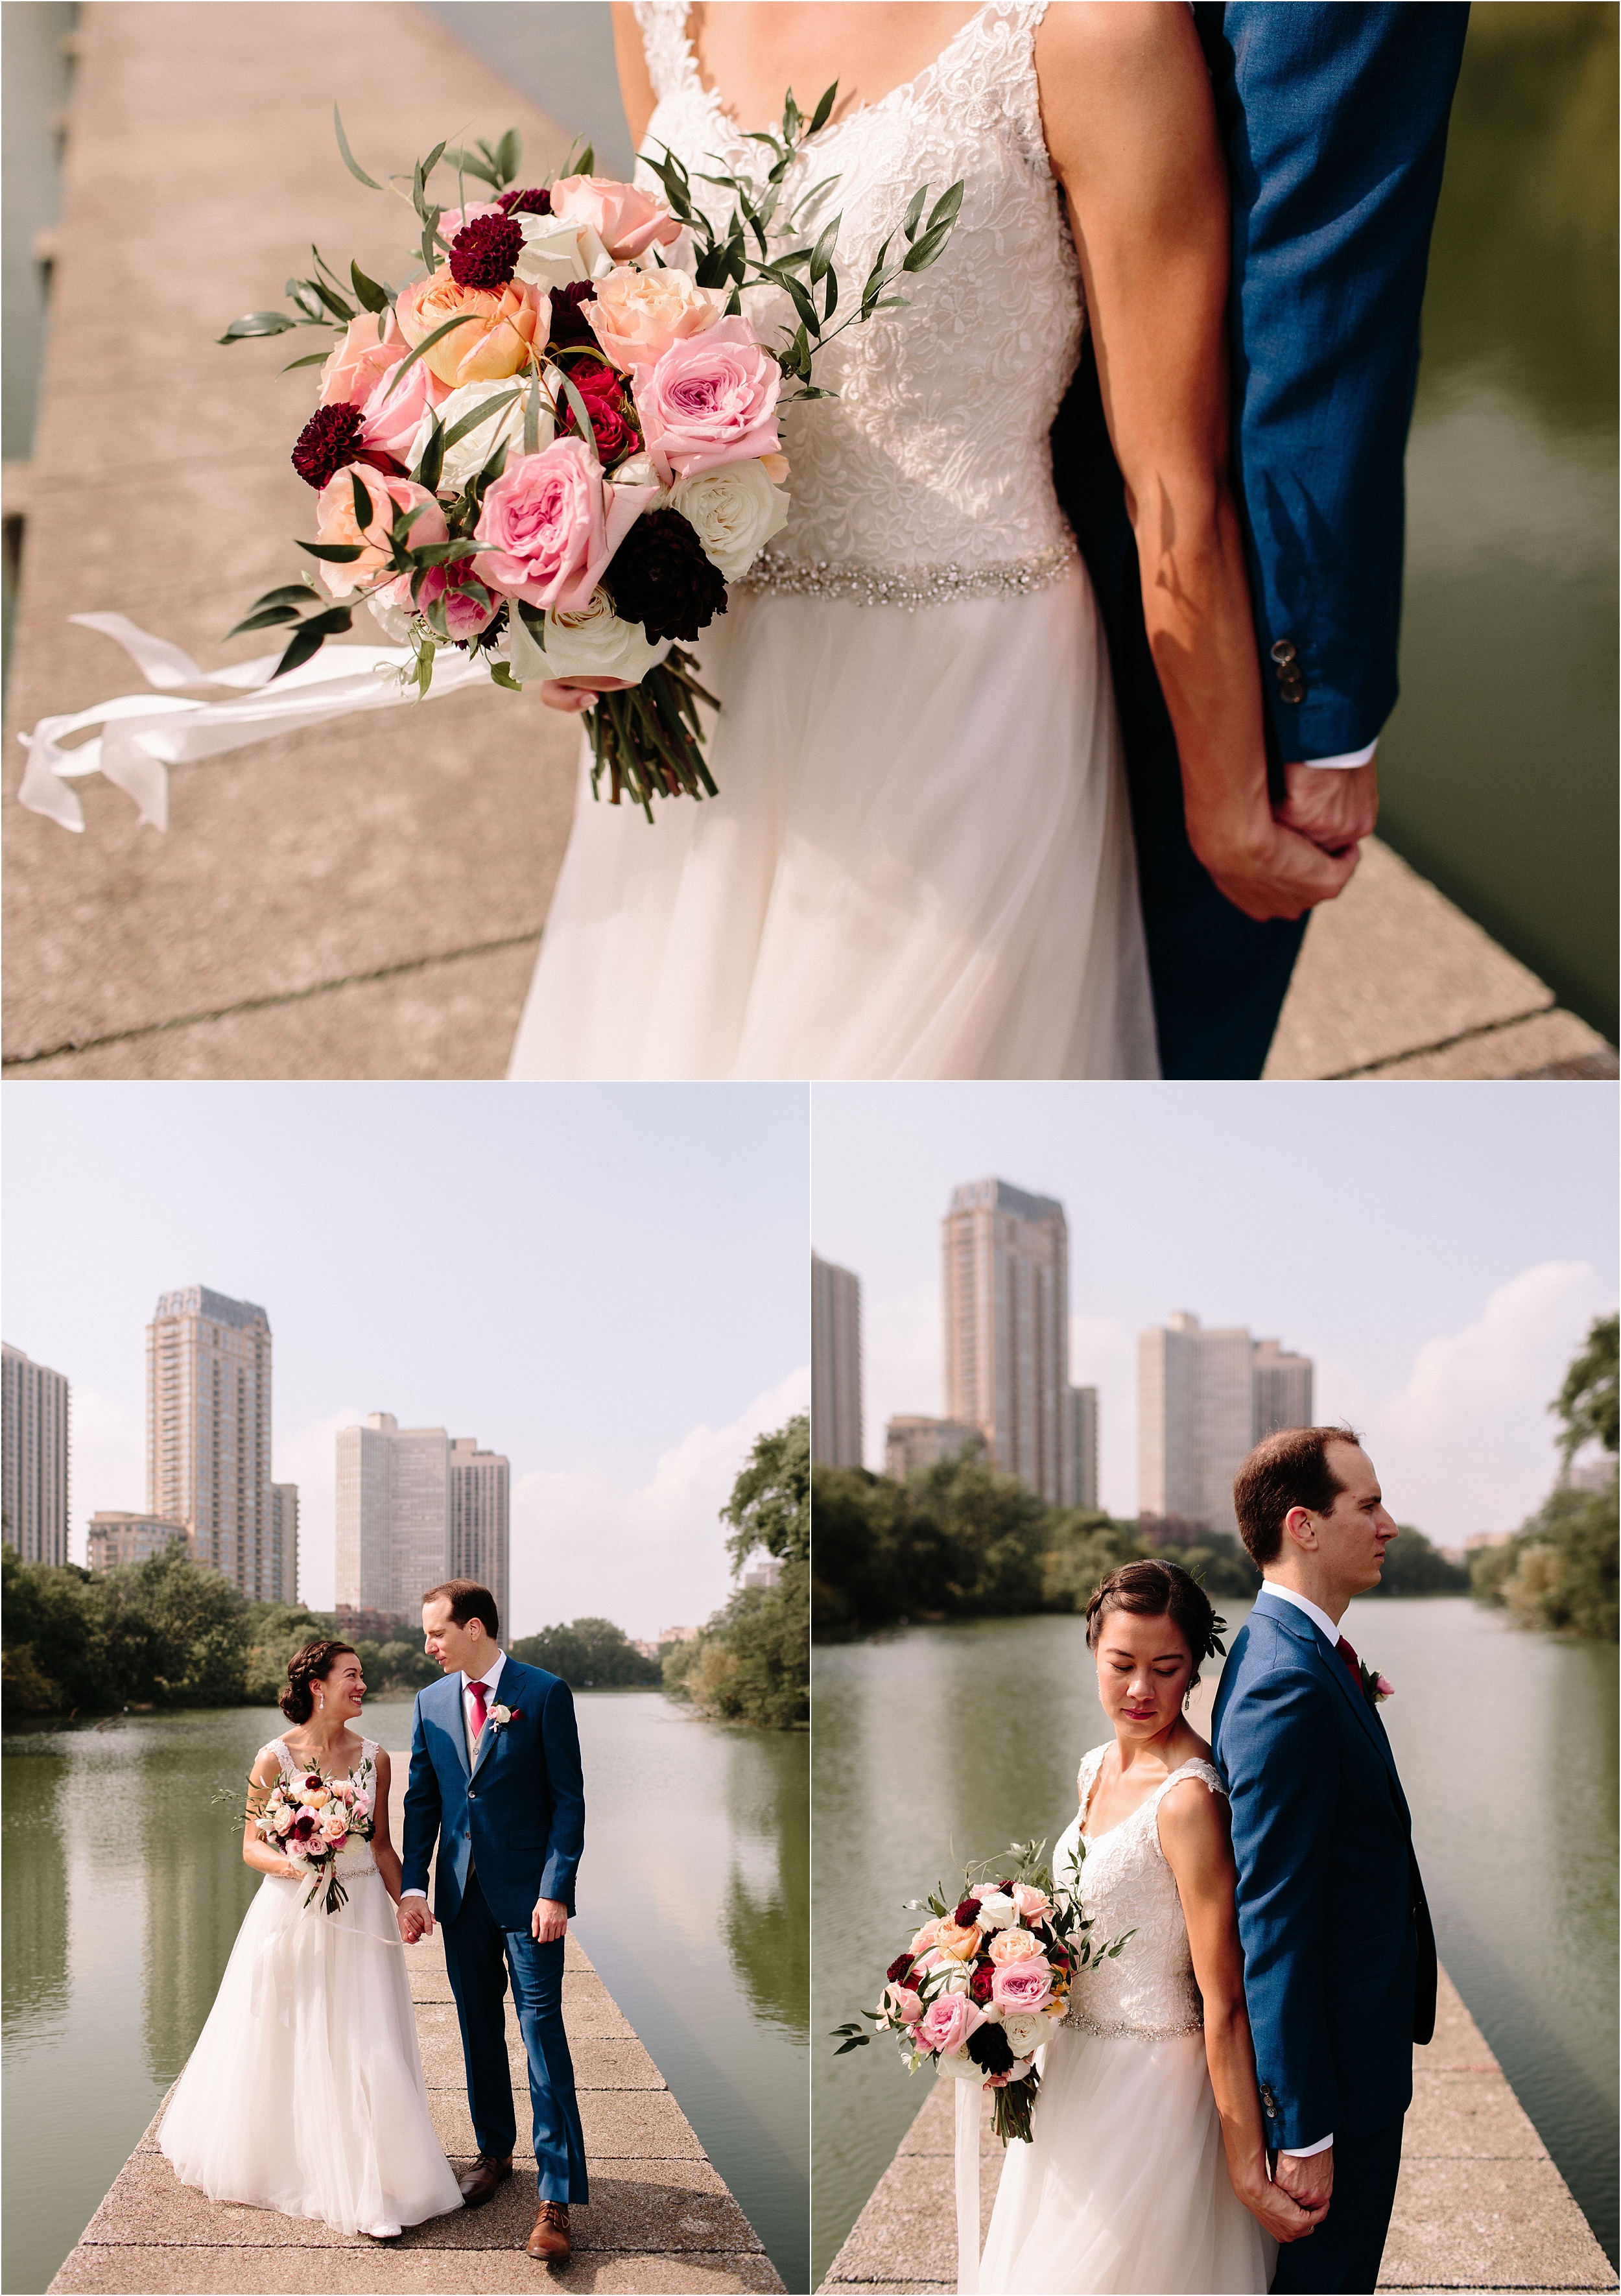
(495, 1780)
(1340, 1958)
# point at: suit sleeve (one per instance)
(422, 1809)
(1280, 1751)
(1334, 119)
(566, 1841)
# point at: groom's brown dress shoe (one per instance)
(549, 2241)
(479, 2184)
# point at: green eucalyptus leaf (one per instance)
(509, 157)
(365, 510)
(336, 553)
(432, 461)
(258, 322)
(500, 674)
(824, 108)
(372, 297)
(265, 618)
(287, 593)
(427, 344)
(350, 159)
(305, 642)
(467, 163)
(480, 414)
(315, 358)
(945, 208)
(822, 258)
(432, 160)
(531, 415)
(919, 257)
(914, 209)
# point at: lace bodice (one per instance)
(933, 458)
(355, 1856)
(1149, 1992)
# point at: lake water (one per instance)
(941, 1744)
(124, 1889)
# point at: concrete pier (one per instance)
(661, 2217)
(366, 899)
(1479, 2206)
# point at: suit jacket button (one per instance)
(1284, 651)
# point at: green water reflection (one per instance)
(942, 1743)
(124, 1890)
(1498, 764)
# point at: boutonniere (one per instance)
(499, 1717)
(1375, 1686)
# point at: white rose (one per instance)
(959, 2066)
(998, 1912)
(735, 511)
(637, 471)
(592, 643)
(953, 1976)
(556, 252)
(1025, 2030)
(467, 456)
(393, 621)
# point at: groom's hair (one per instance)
(1288, 1469)
(468, 1599)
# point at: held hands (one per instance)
(1264, 867)
(548, 1921)
(415, 1919)
(572, 695)
(1309, 2180)
(1278, 2212)
(1333, 808)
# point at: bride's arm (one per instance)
(256, 1853)
(1131, 128)
(384, 1853)
(1193, 1835)
(636, 86)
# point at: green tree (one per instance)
(1559, 1571)
(1414, 1566)
(590, 1654)
(751, 1664)
(770, 1501)
(1586, 1404)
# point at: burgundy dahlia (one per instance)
(896, 1974)
(660, 577)
(537, 202)
(980, 1984)
(330, 440)
(988, 2047)
(967, 1912)
(569, 321)
(485, 252)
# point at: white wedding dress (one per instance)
(305, 2091)
(921, 863)
(1125, 2185)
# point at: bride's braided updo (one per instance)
(304, 1669)
(1155, 1589)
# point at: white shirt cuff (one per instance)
(411, 1893)
(1304, 2152)
(1351, 758)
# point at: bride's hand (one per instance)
(573, 695)
(1275, 2212)
(1264, 868)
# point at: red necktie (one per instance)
(478, 1692)
(1352, 1668)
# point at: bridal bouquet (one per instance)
(982, 1982)
(311, 1819)
(555, 443)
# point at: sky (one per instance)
(1439, 1250)
(609, 1282)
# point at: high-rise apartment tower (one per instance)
(413, 1509)
(480, 1521)
(33, 1457)
(208, 1432)
(285, 1541)
(836, 1426)
(1204, 1400)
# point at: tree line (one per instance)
(1560, 1569)
(752, 1662)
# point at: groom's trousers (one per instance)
(1344, 2254)
(479, 1955)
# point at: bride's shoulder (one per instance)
(1091, 1762)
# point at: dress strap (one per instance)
(670, 61)
(1196, 1768)
(1086, 1779)
(991, 64)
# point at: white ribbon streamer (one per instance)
(968, 2187)
(145, 733)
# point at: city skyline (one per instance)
(491, 1260)
(1426, 1262)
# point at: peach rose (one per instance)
(335, 522)
(926, 1937)
(500, 325)
(555, 523)
(638, 314)
(958, 1944)
(710, 399)
(335, 1827)
(625, 220)
(365, 354)
(1015, 1945)
(1033, 1907)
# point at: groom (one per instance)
(1340, 1958)
(1334, 119)
(495, 1779)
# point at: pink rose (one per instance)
(1032, 1905)
(625, 220)
(390, 424)
(335, 1828)
(1014, 1944)
(555, 523)
(464, 617)
(1022, 1985)
(712, 398)
(946, 2023)
(364, 355)
(335, 522)
(907, 2005)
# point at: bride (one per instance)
(921, 863)
(305, 2092)
(1148, 2164)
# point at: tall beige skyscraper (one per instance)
(284, 1542)
(1083, 1444)
(414, 1509)
(1204, 1400)
(1007, 1331)
(208, 1431)
(33, 1457)
(836, 1422)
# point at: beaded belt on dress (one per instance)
(1080, 2022)
(909, 587)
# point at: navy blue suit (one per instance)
(1334, 120)
(1339, 1959)
(509, 1831)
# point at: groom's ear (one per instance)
(1300, 1525)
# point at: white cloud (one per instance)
(309, 1457)
(901, 1365)
(1468, 1444)
(586, 1544)
(1103, 1354)
(107, 1465)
